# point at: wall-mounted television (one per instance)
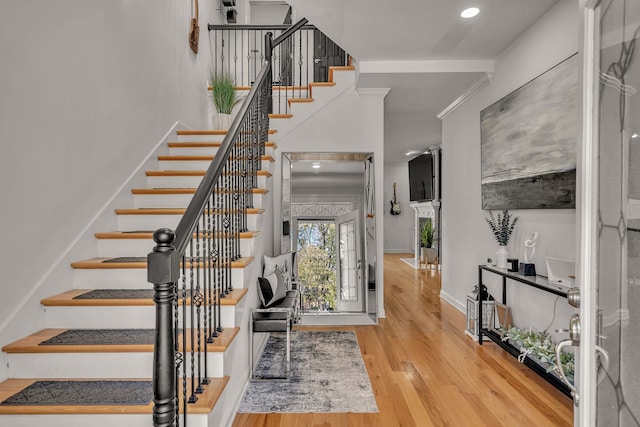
(421, 178)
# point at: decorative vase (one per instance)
(222, 121)
(501, 256)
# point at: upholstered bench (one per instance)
(279, 317)
(280, 303)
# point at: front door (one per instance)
(609, 341)
(326, 54)
(349, 274)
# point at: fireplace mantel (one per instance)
(423, 210)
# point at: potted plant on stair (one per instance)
(427, 252)
(223, 96)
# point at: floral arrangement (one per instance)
(502, 226)
(540, 346)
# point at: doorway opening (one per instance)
(316, 252)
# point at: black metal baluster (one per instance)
(196, 301)
(306, 33)
(210, 271)
(192, 398)
(219, 252)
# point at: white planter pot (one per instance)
(222, 121)
(501, 257)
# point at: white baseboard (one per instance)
(454, 302)
(398, 251)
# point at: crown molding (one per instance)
(373, 92)
(476, 87)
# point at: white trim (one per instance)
(482, 82)
(425, 66)
(83, 232)
(373, 92)
(454, 302)
(584, 414)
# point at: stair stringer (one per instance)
(239, 370)
(343, 79)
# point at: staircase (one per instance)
(98, 342)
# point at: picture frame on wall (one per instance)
(529, 143)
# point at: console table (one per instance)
(538, 282)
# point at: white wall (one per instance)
(88, 89)
(467, 240)
(399, 230)
(351, 122)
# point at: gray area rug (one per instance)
(327, 375)
(84, 393)
(102, 337)
(117, 294)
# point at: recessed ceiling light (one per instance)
(316, 166)
(634, 135)
(470, 12)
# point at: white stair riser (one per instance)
(112, 248)
(205, 151)
(198, 165)
(132, 278)
(189, 181)
(153, 222)
(95, 365)
(94, 420)
(200, 138)
(175, 200)
(101, 317)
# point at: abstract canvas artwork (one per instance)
(528, 143)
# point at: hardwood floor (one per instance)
(426, 372)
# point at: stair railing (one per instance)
(295, 62)
(190, 269)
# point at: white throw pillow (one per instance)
(281, 263)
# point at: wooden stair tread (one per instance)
(280, 116)
(264, 157)
(171, 211)
(67, 299)
(100, 264)
(148, 235)
(204, 405)
(211, 132)
(339, 68)
(193, 173)
(31, 344)
(213, 144)
(170, 190)
(322, 84)
(299, 100)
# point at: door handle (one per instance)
(572, 388)
(604, 362)
(317, 60)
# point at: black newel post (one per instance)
(163, 271)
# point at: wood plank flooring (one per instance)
(426, 372)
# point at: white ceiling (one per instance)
(443, 53)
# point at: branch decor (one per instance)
(502, 226)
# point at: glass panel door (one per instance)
(610, 386)
(350, 278)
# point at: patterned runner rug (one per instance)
(327, 375)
